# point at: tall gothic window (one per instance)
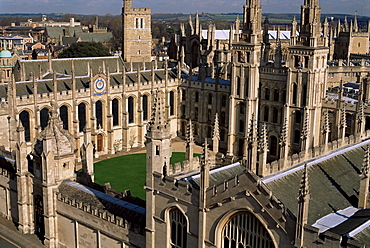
(99, 114)
(178, 224)
(275, 114)
(63, 113)
(24, 117)
(295, 93)
(267, 94)
(238, 86)
(115, 112)
(273, 146)
(244, 230)
(276, 95)
(130, 106)
(196, 96)
(172, 103)
(44, 117)
(210, 98)
(82, 116)
(223, 101)
(145, 107)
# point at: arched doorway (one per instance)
(244, 230)
(100, 142)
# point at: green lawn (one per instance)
(127, 172)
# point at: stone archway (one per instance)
(244, 230)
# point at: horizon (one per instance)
(113, 7)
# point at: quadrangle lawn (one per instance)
(127, 172)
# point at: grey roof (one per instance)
(333, 183)
(97, 37)
(217, 175)
(99, 200)
(56, 32)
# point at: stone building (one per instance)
(275, 130)
(136, 35)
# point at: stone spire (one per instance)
(204, 185)
(237, 28)
(303, 204)
(355, 23)
(216, 135)
(305, 133)
(252, 21)
(263, 149)
(310, 23)
(189, 142)
(293, 34)
(346, 26)
(284, 147)
(363, 196)
(326, 127)
(158, 125)
(360, 116)
(252, 139)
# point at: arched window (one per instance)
(275, 114)
(267, 94)
(130, 111)
(245, 230)
(196, 96)
(24, 117)
(209, 98)
(178, 226)
(298, 117)
(99, 114)
(44, 117)
(115, 112)
(209, 115)
(172, 103)
(304, 95)
(266, 114)
(184, 95)
(276, 95)
(223, 101)
(295, 93)
(63, 113)
(238, 86)
(145, 107)
(297, 136)
(242, 108)
(273, 146)
(241, 126)
(82, 116)
(223, 118)
(196, 113)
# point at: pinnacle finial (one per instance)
(216, 130)
(304, 186)
(263, 143)
(189, 133)
(365, 164)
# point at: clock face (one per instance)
(99, 84)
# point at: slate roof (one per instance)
(99, 200)
(217, 175)
(333, 183)
(96, 37)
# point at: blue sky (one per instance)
(102, 7)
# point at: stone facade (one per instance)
(137, 36)
(264, 120)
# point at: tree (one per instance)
(84, 49)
